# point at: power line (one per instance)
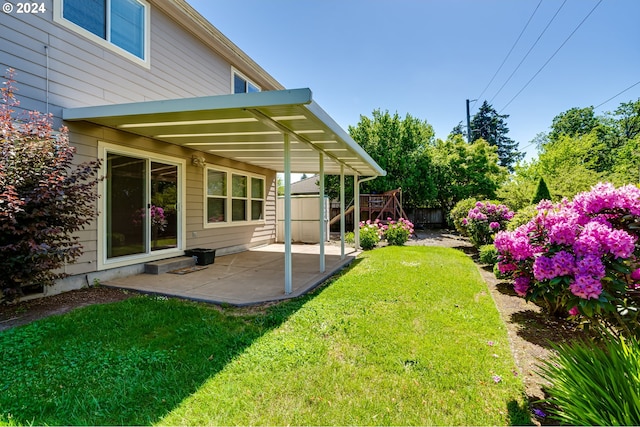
(551, 57)
(617, 94)
(510, 51)
(529, 51)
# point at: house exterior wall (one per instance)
(58, 68)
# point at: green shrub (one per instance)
(459, 212)
(369, 236)
(46, 197)
(522, 217)
(593, 385)
(488, 254)
(397, 233)
(542, 192)
(349, 237)
(485, 220)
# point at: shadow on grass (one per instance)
(126, 363)
(519, 414)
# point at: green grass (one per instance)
(408, 335)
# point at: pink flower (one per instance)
(635, 275)
(494, 225)
(574, 311)
(521, 285)
(586, 287)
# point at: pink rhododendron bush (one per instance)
(580, 257)
(396, 233)
(484, 220)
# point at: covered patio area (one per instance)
(245, 278)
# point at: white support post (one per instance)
(322, 213)
(287, 215)
(356, 211)
(342, 216)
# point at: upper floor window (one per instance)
(122, 23)
(242, 85)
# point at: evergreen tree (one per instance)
(491, 126)
(542, 192)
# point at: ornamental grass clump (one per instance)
(580, 257)
(595, 385)
(484, 220)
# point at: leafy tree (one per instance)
(462, 171)
(542, 192)
(44, 199)
(581, 150)
(573, 123)
(571, 165)
(487, 124)
(627, 118)
(517, 189)
(401, 147)
(626, 168)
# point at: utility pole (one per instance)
(468, 124)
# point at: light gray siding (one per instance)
(78, 72)
(83, 73)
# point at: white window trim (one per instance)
(228, 222)
(235, 72)
(58, 18)
(103, 262)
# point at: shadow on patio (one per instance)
(251, 277)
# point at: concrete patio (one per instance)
(251, 277)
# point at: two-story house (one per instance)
(190, 130)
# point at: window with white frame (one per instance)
(243, 85)
(123, 23)
(233, 197)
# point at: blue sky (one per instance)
(426, 57)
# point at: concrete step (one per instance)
(170, 264)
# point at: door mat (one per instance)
(187, 270)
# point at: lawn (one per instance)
(408, 335)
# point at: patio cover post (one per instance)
(287, 215)
(322, 213)
(342, 211)
(356, 211)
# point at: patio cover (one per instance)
(247, 127)
(282, 130)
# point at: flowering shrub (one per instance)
(397, 232)
(580, 257)
(459, 213)
(45, 198)
(484, 220)
(158, 219)
(370, 233)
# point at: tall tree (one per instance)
(542, 192)
(487, 124)
(627, 117)
(573, 123)
(464, 170)
(401, 147)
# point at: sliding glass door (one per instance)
(142, 197)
